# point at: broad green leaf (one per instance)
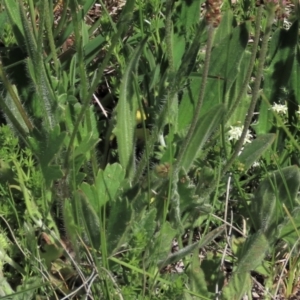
(51, 173)
(71, 225)
(189, 14)
(279, 187)
(92, 48)
(161, 243)
(211, 268)
(295, 77)
(237, 287)
(17, 109)
(204, 128)
(196, 276)
(225, 61)
(225, 28)
(91, 221)
(126, 110)
(13, 11)
(254, 150)
(118, 224)
(85, 33)
(54, 143)
(239, 112)
(108, 182)
(224, 66)
(188, 103)
(87, 144)
(255, 249)
(178, 49)
(91, 194)
(278, 74)
(105, 188)
(175, 257)
(290, 229)
(50, 253)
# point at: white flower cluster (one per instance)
(235, 133)
(279, 108)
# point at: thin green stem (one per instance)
(169, 31)
(32, 16)
(51, 39)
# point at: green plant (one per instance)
(107, 191)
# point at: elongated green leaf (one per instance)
(226, 57)
(188, 103)
(295, 77)
(189, 14)
(12, 8)
(240, 110)
(237, 287)
(279, 187)
(290, 228)
(126, 110)
(80, 16)
(92, 48)
(253, 151)
(278, 74)
(175, 257)
(15, 111)
(86, 145)
(118, 224)
(225, 61)
(108, 182)
(51, 173)
(198, 283)
(160, 247)
(71, 226)
(46, 147)
(204, 128)
(178, 44)
(225, 28)
(255, 249)
(91, 221)
(106, 186)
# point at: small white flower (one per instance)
(279, 108)
(298, 111)
(235, 133)
(255, 164)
